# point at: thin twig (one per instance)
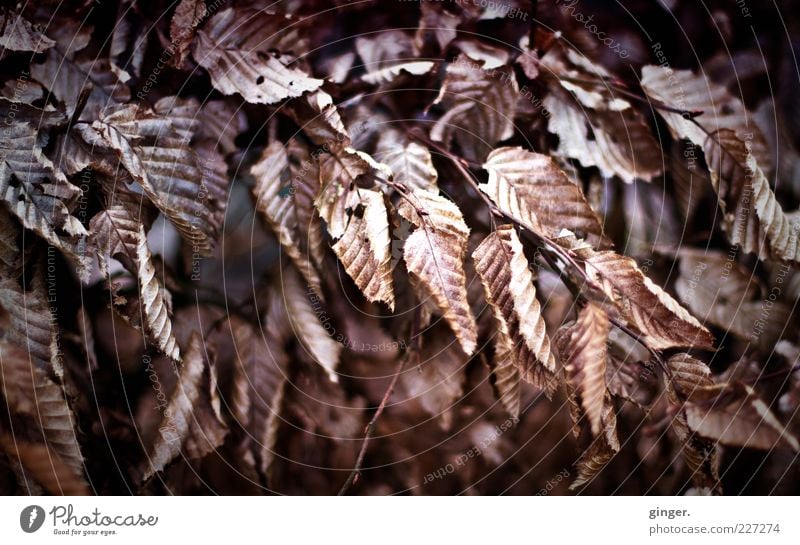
(368, 431)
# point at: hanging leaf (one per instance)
(695, 93)
(278, 208)
(192, 423)
(734, 415)
(661, 319)
(584, 353)
(118, 235)
(534, 191)
(434, 255)
(508, 284)
(479, 107)
(618, 143)
(410, 162)
(308, 320)
(364, 248)
(753, 217)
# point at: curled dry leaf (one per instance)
(532, 189)
(508, 285)
(118, 235)
(240, 62)
(34, 189)
(364, 248)
(583, 351)
(753, 217)
(696, 94)
(618, 143)
(601, 451)
(434, 255)
(689, 377)
(308, 320)
(161, 162)
(410, 162)
(29, 391)
(272, 175)
(479, 107)
(662, 320)
(192, 423)
(733, 414)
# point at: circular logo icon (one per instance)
(31, 518)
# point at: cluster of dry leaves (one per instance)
(389, 247)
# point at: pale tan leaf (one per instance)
(690, 376)
(509, 289)
(534, 191)
(278, 208)
(364, 248)
(584, 354)
(320, 119)
(724, 293)
(734, 415)
(434, 255)
(339, 174)
(691, 92)
(236, 65)
(192, 424)
(117, 234)
(564, 67)
(410, 162)
(479, 107)
(618, 143)
(306, 312)
(753, 217)
(390, 73)
(662, 320)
